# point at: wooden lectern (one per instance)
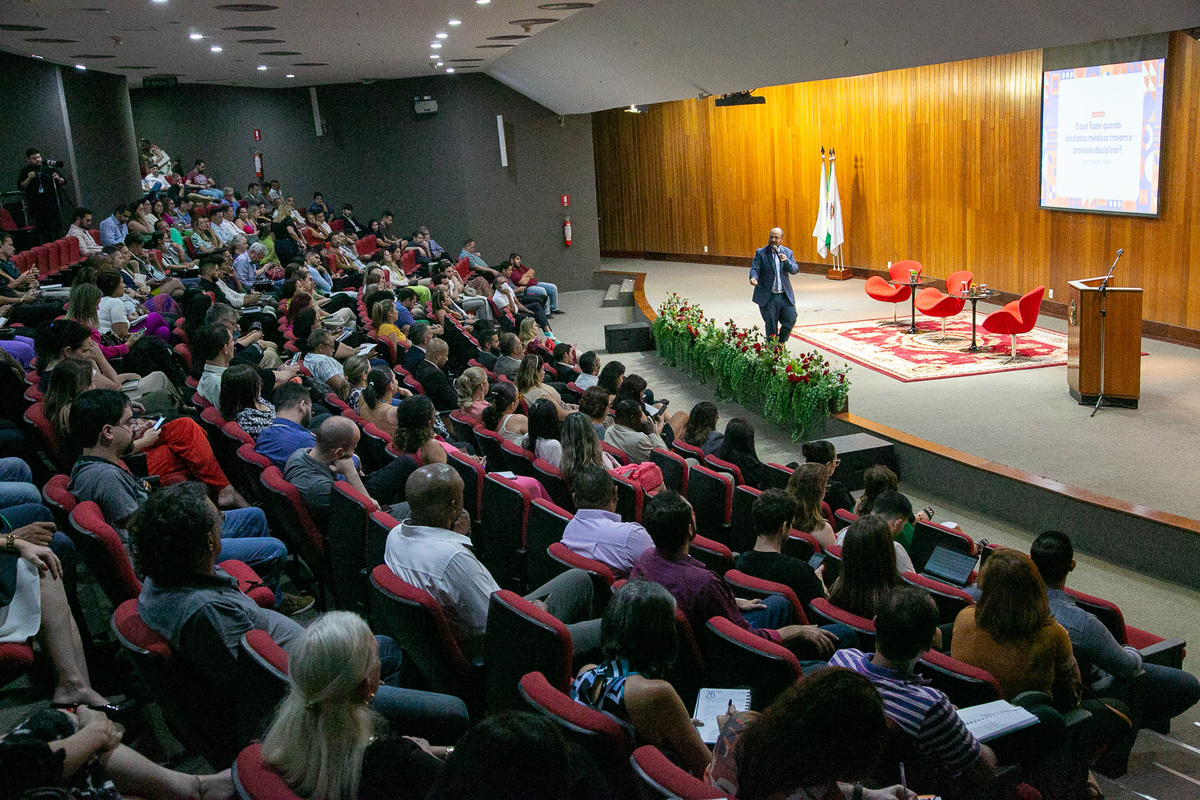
(1122, 367)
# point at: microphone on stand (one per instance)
(1108, 277)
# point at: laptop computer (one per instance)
(949, 566)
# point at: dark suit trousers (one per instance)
(779, 317)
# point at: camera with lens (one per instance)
(50, 162)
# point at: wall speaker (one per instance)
(629, 337)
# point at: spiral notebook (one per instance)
(989, 720)
(711, 703)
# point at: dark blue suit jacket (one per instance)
(763, 269)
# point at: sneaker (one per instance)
(558, 311)
(293, 604)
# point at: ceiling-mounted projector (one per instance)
(739, 99)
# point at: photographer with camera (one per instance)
(39, 180)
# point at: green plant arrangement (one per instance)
(788, 390)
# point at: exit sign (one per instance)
(160, 82)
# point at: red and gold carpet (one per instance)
(885, 347)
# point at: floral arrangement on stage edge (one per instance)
(788, 390)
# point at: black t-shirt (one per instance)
(838, 496)
(281, 229)
(41, 188)
(791, 572)
(397, 769)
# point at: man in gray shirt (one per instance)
(511, 353)
(1104, 663)
(314, 470)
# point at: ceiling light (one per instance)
(262, 67)
(456, 22)
(195, 36)
(35, 55)
(289, 76)
(483, 2)
(438, 64)
(440, 35)
(436, 45)
(159, 1)
(216, 48)
(451, 69)
(434, 55)
(81, 67)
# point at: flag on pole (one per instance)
(834, 235)
(821, 229)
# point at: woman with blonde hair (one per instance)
(807, 488)
(472, 387)
(529, 384)
(356, 369)
(528, 332)
(326, 741)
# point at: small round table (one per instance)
(975, 298)
(912, 296)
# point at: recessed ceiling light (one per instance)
(483, 2)
(216, 48)
(195, 36)
(456, 22)
(159, 1)
(438, 64)
(289, 76)
(441, 35)
(435, 45)
(262, 67)
(434, 55)
(81, 67)
(451, 69)
(35, 55)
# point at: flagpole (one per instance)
(838, 271)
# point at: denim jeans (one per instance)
(1168, 692)
(547, 290)
(16, 483)
(778, 613)
(245, 537)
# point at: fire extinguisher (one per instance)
(258, 165)
(567, 232)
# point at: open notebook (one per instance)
(994, 719)
(711, 703)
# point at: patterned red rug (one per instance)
(885, 347)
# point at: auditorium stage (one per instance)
(1023, 419)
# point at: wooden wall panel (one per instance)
(937, 163)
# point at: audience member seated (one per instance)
(701, 594)
(432, 376)
(504, 297)
(529, 384)
(640, 641)
(581, 448)
(33, 603)
(318, 359)
(419, 336)
(906, 626)
(313, 472)
(773, 511)
(633, 387)
(493, 761)
(701, 429)
(384, 317)
(611, 378)
(112, 317)
(530, 287)
(289, 431)
(877, 479)
(472, 388)
(589, 370)
(489, 346)
(869, 571)
(327, 741)
(807, 488)
(597, 531)
(737, 447)
(357, 368)
(564, 361)
(594, 404)
(1104, 664)
(896, 510)
(545, 432)
(824, 453)
(633, 434)
(893, 524)
(253, 348)
(819, 739)
(78, 753)
(375, 401)
(501, 416)
(431, 550)
(103, 427)
(511, 353)
(242, 401)
(61, 339)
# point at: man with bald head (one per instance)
(432, 551)
(314, 470)
(773, 288)
(433, 378)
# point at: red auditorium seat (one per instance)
(1016, 317)
(879, 289)
(932, 303)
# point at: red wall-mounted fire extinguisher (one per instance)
(258, 165)
(567, 232)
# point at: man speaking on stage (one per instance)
(773, 288)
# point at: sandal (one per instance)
(1093, 788)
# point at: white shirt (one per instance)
(587, 381)
(209, 386)
(226, 231)
(903, 562)
(110, 312)
(550, 451)
(87, 245)
(323, 367)
(602, 535)
(440, 562)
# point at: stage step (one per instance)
(619, 294)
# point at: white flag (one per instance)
(833, 203)
(821, 229)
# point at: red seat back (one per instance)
(254, 780)
(502, 536)
(104, 554)
(664, 779)
(900, 270)
(522, 638)
(745, 585)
